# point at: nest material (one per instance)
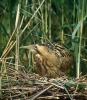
(17, 85)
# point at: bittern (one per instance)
(52, 60)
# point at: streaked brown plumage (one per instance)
(52, 60)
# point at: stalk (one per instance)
(49, 7)
(62, 35)
(46, 17)
(17, 38)
(81, 29)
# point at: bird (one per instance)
(51, 60)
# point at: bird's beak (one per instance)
(32, 48)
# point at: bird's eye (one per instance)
(35, 47)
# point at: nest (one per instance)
(20, 85)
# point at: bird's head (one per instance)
(32, 48)
(44, 50)
(38, 49)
